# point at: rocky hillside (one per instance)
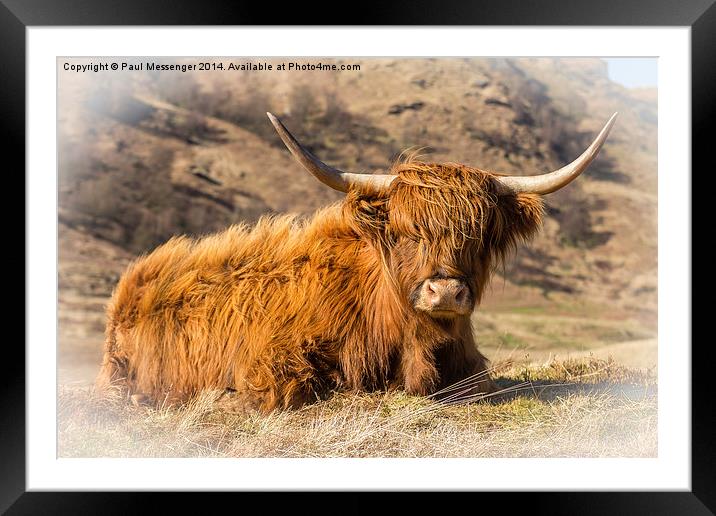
(146, 155)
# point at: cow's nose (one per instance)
(446, 294)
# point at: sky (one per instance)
(632, 72)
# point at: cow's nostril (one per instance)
(461, 295)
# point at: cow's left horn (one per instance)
(336, 179)
(552, 181)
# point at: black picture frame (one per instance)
(17, 15)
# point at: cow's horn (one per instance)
(333, 177)
(552, 181)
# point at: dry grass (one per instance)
(577, 408)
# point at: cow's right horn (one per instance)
(336, 179)
(553, 181)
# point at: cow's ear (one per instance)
(367, 214)
(528, 212)
(516, 218)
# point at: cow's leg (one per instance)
(460, 361)
(417, 372)
(112, 377)
(246, 401)
(417, 369)
(287, 376)
(273, 395)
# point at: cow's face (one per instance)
(446, 228)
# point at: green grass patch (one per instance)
(586, 370)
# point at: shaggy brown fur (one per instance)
(287, 311)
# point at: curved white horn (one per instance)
(336, 179)
(552, 181)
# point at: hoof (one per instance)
(138, 399)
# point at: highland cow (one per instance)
(374, 292)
